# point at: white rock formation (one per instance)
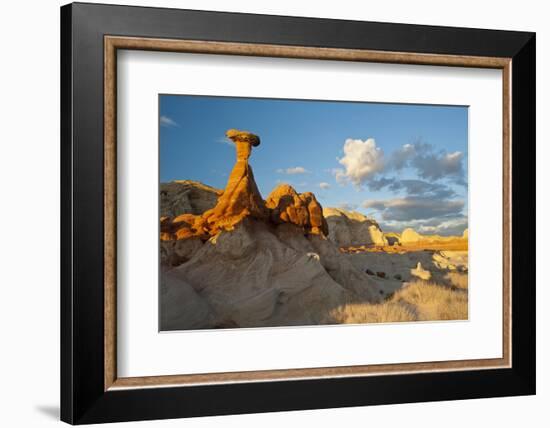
(186, 197)
(421, 273)
(352, 228)
(409, 236)
(257, 275)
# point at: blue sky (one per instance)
(404, 165)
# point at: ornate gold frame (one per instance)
(113, 43)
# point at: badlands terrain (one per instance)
(230, 258)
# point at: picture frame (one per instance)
(91, 35)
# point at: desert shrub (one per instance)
(360, 313)
(419, 301)
(457, 279)
(435, 302)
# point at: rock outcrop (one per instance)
(300, 209)
(420, 272)
(244, 262)
(392, 238)
(186, 197)
(352, 228)
(241, 197)
(255, 275)
(409, 236)
(403, 266)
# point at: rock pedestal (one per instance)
(241, 197)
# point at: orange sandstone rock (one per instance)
(164, 236)
(184, 219)
(301, 209)
(166, 224)
(241, 197)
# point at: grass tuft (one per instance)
(419, 301)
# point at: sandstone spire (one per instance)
(241, 197)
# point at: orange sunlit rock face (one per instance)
(242, 199)
(301, 209)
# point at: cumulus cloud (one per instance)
(412, 187)
(401, 157)
(168, 122)
(420, 178)
(361, 161)
(429, 163)
(434, 166)
(364, 162)
(423, 188)
(447, 227)
(293, 170)
(375, 184)
(414, 208)
(323, 185)
(436, 226)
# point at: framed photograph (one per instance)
(266, 213)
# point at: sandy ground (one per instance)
(418, 285)
(394, 268)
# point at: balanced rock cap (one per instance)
(244, 136)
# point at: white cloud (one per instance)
(168, 122)
(401, 157)
(447, 227)
(436, 226)
(434, 166)
(429, 164)
(363, 164)
(362, 160)
(324, 185)
(293, 170)
(415, 208)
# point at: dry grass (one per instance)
(458, 279)
(361, 313)
(420, 301)
(435, 302)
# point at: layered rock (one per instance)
(186, 197)
(409, 236)
(260, 275)
(241, 197)
(392, 238)
(352, 228)
(248, 263)
(300, 209)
